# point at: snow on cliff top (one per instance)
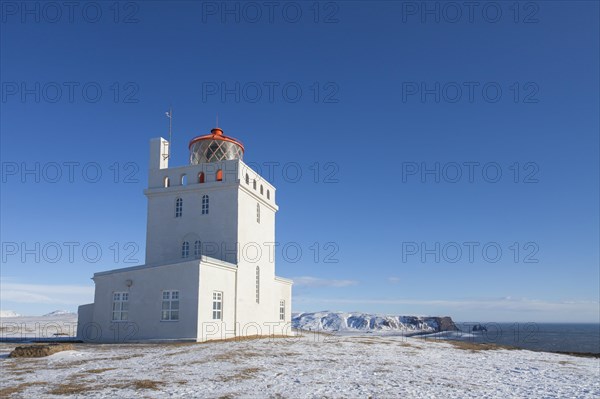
(59, 313)
(363, 322)
(56, 313)
(9, 313)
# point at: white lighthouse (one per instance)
(210, 264)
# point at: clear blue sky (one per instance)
(370, 116)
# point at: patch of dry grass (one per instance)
(123, 357)
(69, 389)
(98, 371)
(381, 370)
(245, 374)
(565, 362)
(476, 347)
(74, 388)
(287, 354)
(201, 361)
(147, 384)
(247, 338)
(20, 372)
(332, 360)
(81, 362)
(7, 391)
(38, 350)
(178, 344)
(365, 341)
(75, 363)
(234, 356)
(408, 345)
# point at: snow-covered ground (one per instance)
(310, 366)
(348, 363)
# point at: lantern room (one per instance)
(215, 147)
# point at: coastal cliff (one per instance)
(365, 322)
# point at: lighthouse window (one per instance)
(201, 177)
(257, 213)
(178, 207)
(167, 182)
(257, 284)
(183, 180)
(261, 189)
(205, 204)
(282, 310)
(170, 306)
(217, 308)
(254, 184)
(247, 179)
(185, 249)
(219, 175)
(120, 307)
(268, 194)
(197, 246)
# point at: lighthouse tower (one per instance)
(210, 264)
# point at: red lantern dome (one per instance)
(215, 147)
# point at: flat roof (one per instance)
(201, 259)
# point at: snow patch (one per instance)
(9, 313)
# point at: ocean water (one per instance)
(553, 337)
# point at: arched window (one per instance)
(268, 194)
(205, 204)
(167, 182)
(201, 177)
(254, 184)
(219, 175)
(261, 189)
(247, 179)
(257, 284)
(197, 248)
(185, 249)
(257, 213)
(178, 207)
(183, 180)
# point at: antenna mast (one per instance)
(170, 116)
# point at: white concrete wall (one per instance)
(253, 235)
(256, 249)
(145, 301)
(217, 230)
(85, 319)
(216, 276)
(283, 290)
(159, 153)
